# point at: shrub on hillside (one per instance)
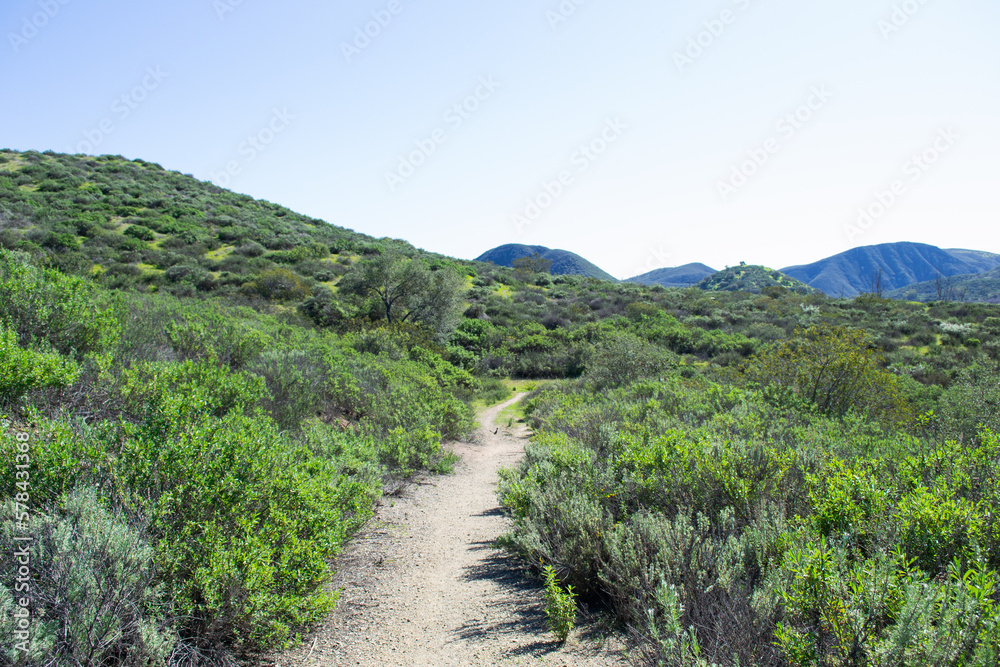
(278, 285)
(140, 232)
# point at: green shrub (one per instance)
(936, 528)
(560, 606)
(23, 370)
(167, 393)
(278, 285)
(296, 382)
(623, 358)
(245, 522)
(140, 232)
(835, 369)
(42, 305)
(493, 391)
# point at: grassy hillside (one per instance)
(719, 469)
(563, 261)
(132, 224)
(753, 279)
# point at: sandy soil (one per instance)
(422, 584)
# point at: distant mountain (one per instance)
(750, 278)
(984, 260)
(564, 262)
(852, 272)
(678, 276)
(977, 287)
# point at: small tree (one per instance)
(622, 358)
(407, 290)
(525, 267)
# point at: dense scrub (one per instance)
(194, 465)
(791, 514)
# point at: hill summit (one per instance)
(564, 262)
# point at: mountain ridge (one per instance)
(895, 265)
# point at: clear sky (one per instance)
(638, 133)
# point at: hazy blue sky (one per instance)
(637, 133)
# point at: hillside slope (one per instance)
(852, 272)
(677, 276)
(977, 287)
(564, 262)
(133, 224)
(979, 258)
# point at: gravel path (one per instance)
(423, 585)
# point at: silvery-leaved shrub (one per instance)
(91, 592)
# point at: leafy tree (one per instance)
(406, 290)
(622, 358)
(525, 267)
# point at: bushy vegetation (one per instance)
(195, 465)
(747, 518)
(217, 390)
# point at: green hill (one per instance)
(752, 279)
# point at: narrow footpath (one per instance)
(424, 586)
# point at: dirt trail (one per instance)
(423, 585)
